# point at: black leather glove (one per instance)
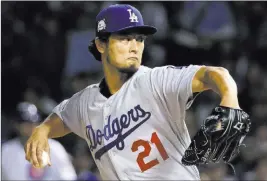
(219, 137)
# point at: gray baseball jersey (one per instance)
(139, 133)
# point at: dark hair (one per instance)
(92, 46)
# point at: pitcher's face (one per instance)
(125, 51)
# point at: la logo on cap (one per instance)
(132, 17)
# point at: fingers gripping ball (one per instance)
(219, 138)
(45, 159)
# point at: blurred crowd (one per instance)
(35, 55)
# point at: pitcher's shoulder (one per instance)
(147, 71)
(90, 89)
(146, 75)
(166, 69)
(144, 71)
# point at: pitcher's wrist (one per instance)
(229, 100)
(42, 129)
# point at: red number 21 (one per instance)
(147, 148)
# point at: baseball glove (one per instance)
(220, 137)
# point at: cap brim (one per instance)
(144, 29)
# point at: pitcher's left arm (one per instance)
(220, 81)
(224, 130)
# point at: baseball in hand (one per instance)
(45, 158)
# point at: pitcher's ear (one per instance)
(100, 45)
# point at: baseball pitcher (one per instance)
(134, 119)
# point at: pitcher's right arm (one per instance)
(52, 127)
(65, 118)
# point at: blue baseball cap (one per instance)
(121, 18)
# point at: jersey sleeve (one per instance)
(69, 112)
(173, 85)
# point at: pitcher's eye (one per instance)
(125, 38)
(140, 38)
